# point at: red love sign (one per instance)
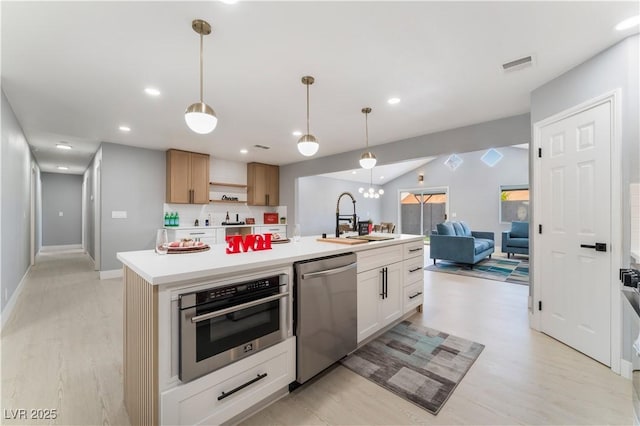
(244, 243)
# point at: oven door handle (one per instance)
(232, 309)
(329, 271)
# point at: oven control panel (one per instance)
(237, 289)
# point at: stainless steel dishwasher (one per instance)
(325, 308)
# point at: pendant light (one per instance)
(371, 193)
(200, 117)
(307, 144)
(367, 159)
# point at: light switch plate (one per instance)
(118, 214)
(60, 214)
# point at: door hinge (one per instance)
(539, 152)
(540, 229)
(539, 305)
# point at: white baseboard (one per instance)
(113, 273)
(8, 308)
(65, 247)
(626, 368)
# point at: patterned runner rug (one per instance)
(498, 269)
(419, 364)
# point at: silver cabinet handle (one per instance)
(329, 271)
(197, 233)
(226, 311)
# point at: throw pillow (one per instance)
(445, 229)
(466, 231)
(458, 228)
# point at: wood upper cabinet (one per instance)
(263, 184)
(187, 177)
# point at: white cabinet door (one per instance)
(391, 305)
(369, 290)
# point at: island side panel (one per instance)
(140, 356)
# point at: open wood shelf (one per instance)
(232, 185)
(228, 201)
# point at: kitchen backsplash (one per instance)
(190, 212)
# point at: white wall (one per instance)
(474, 187)
(61, 193)
(16, 165)
(497, 133)
(317, 198)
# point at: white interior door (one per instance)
(576, 214)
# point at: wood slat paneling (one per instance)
(140, 358)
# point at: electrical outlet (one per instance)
(453, 214)
(60, 214)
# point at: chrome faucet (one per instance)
(346, 218)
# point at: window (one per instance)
(514, 203)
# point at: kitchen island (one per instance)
(154, 283)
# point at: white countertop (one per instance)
(172, 268)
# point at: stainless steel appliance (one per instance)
(325, 309)
(224, 324)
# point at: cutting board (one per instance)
(347, 241)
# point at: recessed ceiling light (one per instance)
(628, 23)
(63, 168)
(297, 133)
(244, 151)
(152, 91)
(353, 172)
(229, 1)
(381, 177)
(125, 128)
(393, 101)
(63, 146)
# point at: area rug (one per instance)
(498, 269)
(419, 364)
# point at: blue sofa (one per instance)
(516, 240)
(454, 241)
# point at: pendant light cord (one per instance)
(307, 84)
(366, 128)
(201, 70)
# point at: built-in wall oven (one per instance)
(223, 324)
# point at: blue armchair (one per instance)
(454, 241)
(516, 240)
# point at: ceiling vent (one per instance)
(518, 64)
(262, 146)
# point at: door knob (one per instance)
(597, 246)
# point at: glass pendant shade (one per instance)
(368, 160)
(308, 145)
(201, 118)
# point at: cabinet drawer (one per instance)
(194, 233)
(413, 270)
(271, 229)
(198, 401)
(413, 296)
(375, 258)
(414, 249)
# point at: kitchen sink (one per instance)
(370, 238)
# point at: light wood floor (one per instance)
(62, 349)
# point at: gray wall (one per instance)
(132, 180)
(61, 193)
(614, 68)
(502, 132)
(474, 187)
(16, 165)
(318, 198)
